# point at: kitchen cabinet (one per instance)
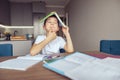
(19, 47)
(38, 7)
(21, 14)
(4, 12)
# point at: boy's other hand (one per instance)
(65, 30)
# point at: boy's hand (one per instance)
(51, 35)
(65, 30)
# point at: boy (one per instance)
(51, 43)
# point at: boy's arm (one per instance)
(36, 48)
(69, 45)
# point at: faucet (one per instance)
(15, 32)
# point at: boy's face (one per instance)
(51, 24)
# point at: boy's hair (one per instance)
(59, 33)
(49, 17)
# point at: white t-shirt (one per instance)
(53, 46)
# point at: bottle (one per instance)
(27, 36)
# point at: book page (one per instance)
(93, 71)
(29, 57)
(18, 64)
(80, 58)
(70, 62)
(61, 22)
(113, 62)
(63, 65)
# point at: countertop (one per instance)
(16, 40)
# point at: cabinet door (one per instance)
(27, 17)
(4, 12)
(21, 14)
(19, 47)
(16, 14)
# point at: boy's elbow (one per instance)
(70, 51)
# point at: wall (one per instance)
(4, 12)
(93, 20)
(59, 10)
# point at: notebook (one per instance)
(22, 62)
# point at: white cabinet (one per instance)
(19, 47)
(21, 14)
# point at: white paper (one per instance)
(80, 58)
(93, 71)
(72, 61)
(113, 62)
(18, 64)
(22, 62)
(29, 57)
(63, 65)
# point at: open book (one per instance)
(79, 66)
(39, 27)
(21, 62)
(54, 13)
(69, 62)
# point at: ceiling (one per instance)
(61, 3)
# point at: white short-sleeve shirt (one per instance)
(53, 46)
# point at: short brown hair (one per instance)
(51, 16)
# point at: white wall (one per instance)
(93, 20)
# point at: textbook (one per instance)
(54, 13)
(39, 27)
(80, 66)
(69, 62)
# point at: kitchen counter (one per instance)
(16, 40)
(20, 47)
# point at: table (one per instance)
(38, 72)
(101, 54)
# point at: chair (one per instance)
(110, 46)
(6, 50)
